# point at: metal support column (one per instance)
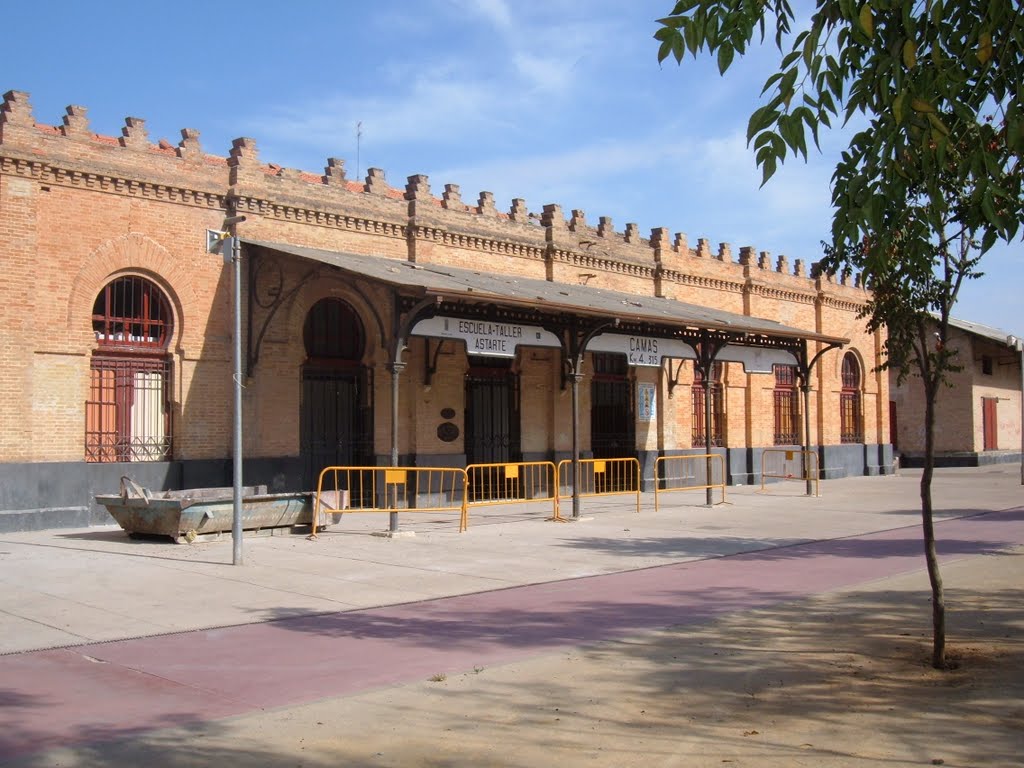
(707, 435)
(577, 348)
(426, 307)
(803, 371)
(397, 366)
(576, 378)
(805, 388)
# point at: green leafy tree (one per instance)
(926, 188)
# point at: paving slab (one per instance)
(281, 661)
(193, 638)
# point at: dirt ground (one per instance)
(841, 680)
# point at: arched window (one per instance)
(333, 332)
(787, 411)
(128, 413)
(850, 422)
(717, 409)
(132, 312)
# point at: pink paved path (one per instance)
(109, 690)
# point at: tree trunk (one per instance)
(930, 556)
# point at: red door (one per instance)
(989, 423)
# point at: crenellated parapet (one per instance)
(133, 164)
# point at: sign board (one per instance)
(646, 405)
(641, 350)
(484, 337)
(755, 359)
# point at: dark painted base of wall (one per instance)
(965, 459)
(61, 494)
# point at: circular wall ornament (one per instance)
(447, 432)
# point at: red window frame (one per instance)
(128, 411)
(786, 406)
(717, 408)
(850, 417)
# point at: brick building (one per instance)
(361, 299)
(979, 415)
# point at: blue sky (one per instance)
(557, 101)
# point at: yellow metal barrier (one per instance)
(688, 473)
(781, 464)
(601, 477)
(392, 489)
(512, 483)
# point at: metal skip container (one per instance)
(184, 515)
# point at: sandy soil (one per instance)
(842, 680)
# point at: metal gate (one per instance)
(612, 423)
(492, 420)
(612, 420)
(334, 426)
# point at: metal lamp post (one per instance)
(230, 248)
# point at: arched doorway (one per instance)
(128, 413)
(336, 413)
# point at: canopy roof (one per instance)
(454, 283)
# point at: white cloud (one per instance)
(494, 11)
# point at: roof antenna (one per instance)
(359, 140)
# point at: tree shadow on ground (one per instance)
(485, 622)
(777, 549)
(813, 682)
(182, 740)
(824, 681)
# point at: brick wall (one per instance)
(79, 209)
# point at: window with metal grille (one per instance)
(610, 364)
(717, 410)
(850, 420)
(128, 413)
(787, 411)
(128, 417)
(131, 312)
(333, 330)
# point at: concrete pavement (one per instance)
(66, 587)
(303, 620)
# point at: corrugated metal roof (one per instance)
(987, 332)
(454, 282)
